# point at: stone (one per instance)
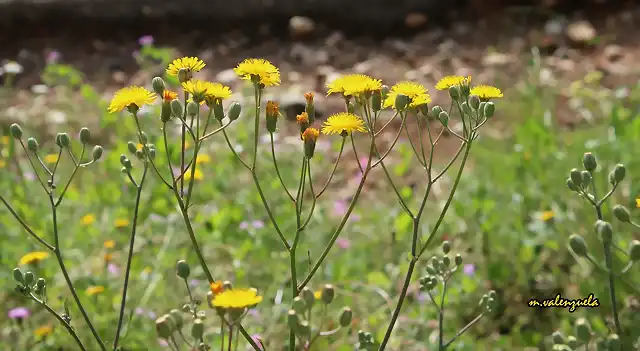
(581, 32)
(300, 26)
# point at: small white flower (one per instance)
(40, 89)
(12, 67)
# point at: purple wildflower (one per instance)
(469, 269)
(53, 57)
(139, 311)
(29, 176)
(151, 315)
(163, 343)
(258, 340)
(340, 207)
(257, 224)
(343, 243)
(194, 282)
(244, 225)
(113, 269)
(19, 313)
(145, 40)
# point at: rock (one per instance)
(307, 55)
(119, 77)
(226, 77)
(581, 32)
(554, 27)
(494, 59)
(300, 26)
(334, 39)
(613, 53)
(362, 67)
(415, 20)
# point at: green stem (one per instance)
(441, 346)
(73, 174)
(62, 321)
(256, 126)
(464, 329)
(26, 226)
(335, 166)
(275, 163)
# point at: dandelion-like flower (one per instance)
(216, 93)
(204, 158)
(547, 215)
(486, 92)
(302, 118)
(354, 84)
(133, 97)
(43, 331)
(197, 175)
(33, 257)
(197, 88)
(259, 70)
(310, 135)
(237, 298)
(109, 244)
(191, 64)
(638, 202)
(51, 158)
(121, 223)
(169, 95)
(449, 81)
(88, 219)
(19, 313)
(94, 290)
(343, 122)
(417, 93)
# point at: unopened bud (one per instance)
(176, 315)
(192, 109)
(571, 185)
(402, 101)
(218, 110)
(576, 176)
(474, 101)
(303, 329)
(458, 259)
(351, 108)
(226, 285)
(384, 92)
(605, 230)
(184, 75)
(376, 101)
(444, 118)
(97, 152)
(307, 296)
(446, 261)
(299, 305)
(272, 115)
(177, 108)
(557, 337)
(345, 317)
(182, 269)
(328, 293)
(59, 140)
(619, 172)
(454, 92)
(572, 342)
(16, 131)
(446, 247)
(436, 110)
(293, 320)
(29, 278)
(165, 327)
(32, 145)
(158, 85)
(634, 251)
(583, 330)
(41, 283)
(589, 162)
(310, 137)
(165, 113)
(85, 135)
(622, 214)
(125, 162)
(17, 275)
(310, 107)
(132, 147)
(234, 111)
(489, 109)
(197, 329)
(466, 109)
(578, 245)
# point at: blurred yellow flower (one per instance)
(93, 290)
(260, 70)
(317, 294)
(187, 144)
(354, 84)
(547, 215)
(33, 257)
(417, 94)
(5, 140)
(133, 96)
(147, 270)
(51, 158)
(43, 331)
(197, 88)
(237, 298)
(88, 219)
(217, 91)
(121, 223)
(3, 163)
(343, 122)
(109, 244)
(638, 202)
(191, 64)
(169, 95)
(197, 175)
(108, 257)
(216, 287)
(486, 92)
(204, 158)
(449, 81)
(310, 134)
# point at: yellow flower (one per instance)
(343, 122)
(187, 144)
(449, 81)
(302, 118)
(147, 270)
(3, 163)
(5, 140)
(197, 88)
(169, 95)
(260, 70)
(638, 202)
(51, 158)
(191, 64)
(130, 97)
(486, 92)
(237, 298)
(33, 257)
(317, 294)
(88, 219)
(216, 287)
(43, 331)
(108, 257)
(203, 159)
(109, 244)
(217, 91)
(354, 84)
(121, 222)
(547, 215)
(93, 290)
(417, 94)
(197, 175)
(310, 134)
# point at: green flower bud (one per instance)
(489, 109)
(481, 109)
(458, 259)
(97, 152)
(182, 269)
(436, 110)
(125, 162)
(186, 308)
(454, 92)
(345, 317)
(634, 251)
(572, 342)
(139, 154)
(29, 278)
(18, 276)
(622, 214)
(589, 162)
(430, 270)
(177, 108)
(143, 138)
(424, 109)
(602, 345)
(32, 145)
(176, 315)
(492, 294)
(384, 92)
(402, 101)
(201, 314)
(557, 337)
(446, 261)
(612, 178)
(158, 85)
(571, 185)
(474, 101)
(184, 75)
(605, 230)
(614, 342)
(85, 135)
(192, 109)
(165, 113)
(234, 111)
(16, 131)
(226, 285)
(299, 305)
(578, 245)
(218, 111)
(310, 137)
(429, 284)
(303, 329)
(41, 283)
(483, 301)
(444, 118)
(489, 304)
(586, 178)
(328, 293)
(152, 152)
(466, 109)
(619, 172)
(583, 330)
(446, 247)
(132, 147)
(293, 320)
(307, 296)
(197, 329)
(165, 327)
(376, 101)
(62, 140)
(576, 176)
(351, 108)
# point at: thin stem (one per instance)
(230, 337)
(275, 163)
(393, 144)
(62, 321)
(396, 312)
(268, 209)
(415, 151)
(34, 167)
(386, 124)
(215, 131)
(446, 168)
(248, 337)
(441, 317)
(222, 330)
(355, 153)
(256, 126)
(313, 194)
(75, 170)
(26, 226)
(335, 166)
(464, 329)
(125, 286)
(183, 139)
(145, 149)
(196, 149)
(226, 137)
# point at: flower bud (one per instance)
(165, 327)
(401, 102)
(571, 185)
(176, 315)
(446, 247)
(272, 115)
(622, 214)
(612, 178)
(16, 131)
(125, 162)
(132, 147)
(429, 283)
(376, 101)
(41, 283)
(489, 109)
(444, 118)
(158, 85)
(182, 269)
(583, 330)
(345, 317)
(614, 342)
(454, 92)
(619, 172)
(303, 329)
(32, 145)
(351, 108)
(197, 329)
(466, 109)
(572, 342)
(446, 261)
(634, 251)
(177, 108)
(85, 135)
(152, 152)
(308, 297)
(18, 276)
(557, 337)
(458, 259)
(184, 75)
(97, 152)
(29, 278)
(481, 109)
(62, 140)
(310, 107)
(310, 137)
(384, 92)
(589, 162)
(328, 293)
(299, 305)
(293, 320)
(474, 101)
(578, 245)
(436, 110)
(186, 308)
(576, 176)
(165, 113)
(139, 154)
(192, 109)
(605, 231)
(226, 285)
(234, 111)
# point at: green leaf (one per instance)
(379, 279)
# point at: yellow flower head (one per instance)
(130, 97)
(88, 219)
(3, 163)
(638, 202)
(547, 215)
(417, 93)
(237, 298)
(259, 70)
(308, 96)
(197, 175)
(33, 257)
(94, 290)
(43, 331)
(273, 108)
(5, 140)
(169, 95)
(317, 294)
(191, 64)
(109, 244)
(216, 287)
(217, 92)
(108, 257)
(147, 270)
(343, 122)
(310, 134)
(486, 92)
(197, 88)
(449, 81)
(121, 223)
(302, 118)
(51, 158)
(204, 158)
(354, 84)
